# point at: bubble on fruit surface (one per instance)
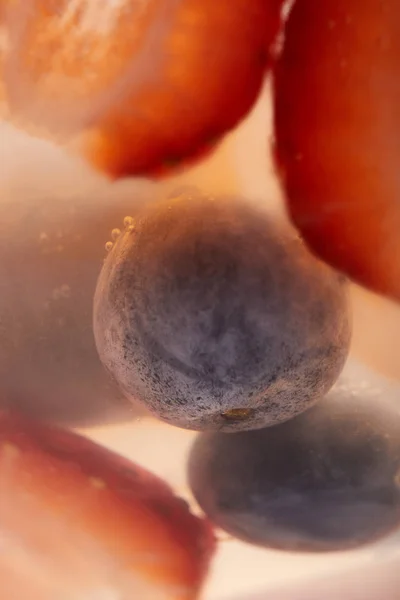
(109, 246)
(128, 221)
(211, 316)
(115, 234)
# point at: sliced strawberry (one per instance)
(79, 522)
(337, 121)
(148, 83)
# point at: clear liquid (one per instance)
(47, 198)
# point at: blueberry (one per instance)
(328, 479)
(216, 317)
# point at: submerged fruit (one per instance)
(216, 317)
(147, 84)
(78, 521)
(327, 480)
(337, 125)
(52, 251)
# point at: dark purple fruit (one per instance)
(216, 317)
(327, 480)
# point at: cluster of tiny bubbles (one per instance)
(129, 223)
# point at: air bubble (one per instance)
(128, 222)
(109, 246)
(115, 234)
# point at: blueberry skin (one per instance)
(216, 317)
(327, 480)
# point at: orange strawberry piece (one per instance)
(77, 521)
(147, 85)
(337, 122)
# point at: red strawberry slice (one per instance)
(149, 84)
(78, 522)
(337, 121)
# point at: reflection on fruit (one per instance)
(78, 521)
(147, 84)
(337, 121)
(215, 317)
(327, 480)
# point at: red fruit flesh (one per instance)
(147, 84)
(79, 522)
(337, 123)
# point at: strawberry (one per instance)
(78, 521)
(337, 125)
(142, 86)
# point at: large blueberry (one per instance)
(328, 479)
(216, 317)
